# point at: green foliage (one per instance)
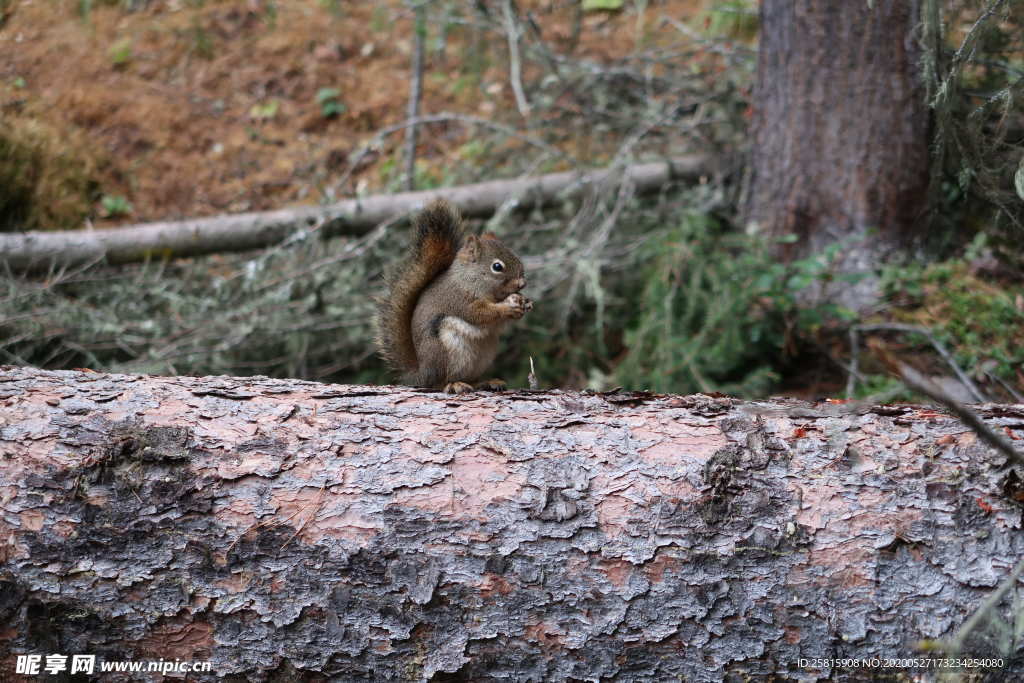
(714, 311)
(380, 19)
(330, 105)
(270, 14)
(427, 177)
(735, 19)
(264, 111)
(981, 323)
(115, 206)
(891, 389)
(200, 41)
(602, 5)
(334, 7)
(85, 8)
(121, 53)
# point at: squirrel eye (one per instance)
(497, 266)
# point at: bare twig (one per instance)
(965, 52)
(515, 75)
(854, 370)
(1006, 386)
(916, 329)
(415, 95)
(919, 383)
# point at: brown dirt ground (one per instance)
(169, 95)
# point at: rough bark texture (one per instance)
(241, 232)
(841, 127)
(288, 530)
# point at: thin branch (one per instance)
(415, 95)
(515, 75)
(921, 384)
(916, 329)
(965, 52)
(854, 369)
(1006, 386)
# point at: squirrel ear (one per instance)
(470, 250)
(489, 236)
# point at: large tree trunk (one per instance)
(288, 530)
(840, 129)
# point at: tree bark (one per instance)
(289, 530)
(841, 130)
(241, 232)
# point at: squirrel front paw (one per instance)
(517, 305)
(457, 388)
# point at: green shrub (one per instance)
(715, 311)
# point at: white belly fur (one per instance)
(471, 349)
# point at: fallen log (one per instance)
(289, 530)
(28, 251)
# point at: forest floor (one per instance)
(191, 108)
(116, 112)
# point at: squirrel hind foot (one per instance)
(493, 385)
(458, 388)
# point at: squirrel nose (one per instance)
(520, 283)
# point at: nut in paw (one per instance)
(518, 304)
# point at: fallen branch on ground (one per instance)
(242, 232)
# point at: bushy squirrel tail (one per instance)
(438, 237)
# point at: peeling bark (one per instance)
(289, 530)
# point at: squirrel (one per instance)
(447, 302)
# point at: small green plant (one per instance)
(114, 206)
(330, 105)
(19, 83)
(334, 7)
(201, 44)
(265, 111)
(380, 19)
(121, 53)
(735, 19)
(602, 5)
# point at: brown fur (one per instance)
(440, 323)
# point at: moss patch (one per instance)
(48, 175)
